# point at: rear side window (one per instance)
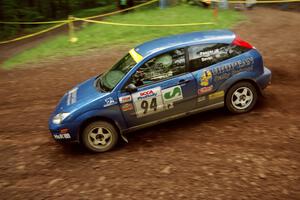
(201, 56)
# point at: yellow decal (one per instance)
(216, 95)
(205, 78)
(136, 57)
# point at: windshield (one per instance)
(111, 78)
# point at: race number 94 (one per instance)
(145, 105)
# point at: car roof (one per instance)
(187, 39)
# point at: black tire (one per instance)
(100, 136)
(243, 103)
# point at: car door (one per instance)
(164, 89)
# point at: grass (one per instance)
(98, 36)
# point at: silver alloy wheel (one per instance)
(242, 98)
(100, 137)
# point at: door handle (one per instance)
(183, 81)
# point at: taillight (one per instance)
(239, 42)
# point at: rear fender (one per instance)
(242, 76)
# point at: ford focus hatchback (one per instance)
(158, 81)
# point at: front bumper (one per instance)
(65, 132)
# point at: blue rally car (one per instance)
(158, 81)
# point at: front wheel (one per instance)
(241, 97)
(100, 136)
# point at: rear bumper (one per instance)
(265, 79)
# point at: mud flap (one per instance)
(124, 138)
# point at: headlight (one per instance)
(57, 119)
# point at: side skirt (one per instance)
(173, 117)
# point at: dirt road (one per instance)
(213, 155)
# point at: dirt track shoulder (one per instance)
(213, 155)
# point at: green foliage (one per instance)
(94, 11)
(98, 36)
(40, 10)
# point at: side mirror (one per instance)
(131, 88)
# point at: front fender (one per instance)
(113, 115)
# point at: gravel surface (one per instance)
(212, 155)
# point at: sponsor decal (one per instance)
(147, 94)
(127, 107)
(205, 82)
(62, 136)
(206, 78)
(207, 59)
(169, 106)
(148, 102)
(204, 90)
(209, 55)
(172, 94)
(155, 100)
(109, 102)
(227, 70)
(202, 98)
(72, 96)
(125, 99)
(216, 95)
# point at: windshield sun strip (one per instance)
(136, 56)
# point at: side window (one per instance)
(161, 67)
(202, 56)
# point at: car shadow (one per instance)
(166, 129)
(157, 133)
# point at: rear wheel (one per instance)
(100, 136)
(241, 97)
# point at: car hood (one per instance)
(78, 97)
